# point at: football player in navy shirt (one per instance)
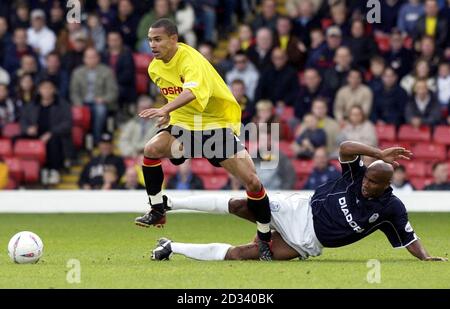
(339, 213)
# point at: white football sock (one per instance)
(203, 252)
(208, 203)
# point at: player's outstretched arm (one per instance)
(184, 98)
(348, 151)
(419, 252)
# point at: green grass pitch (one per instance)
(114, 253)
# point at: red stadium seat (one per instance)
(285, 147)
(11, 130)
(420, 182)
(5, 148)
(201, 166)
(30, 149)
(300, 183)
(15, 169)
(142, 83)
(219, 171)
(432, 152)
(383, 43)
(81, 116)
(11, 185)
(168, 168)
(31, 171)
(407, 145)
(442, 135)
(303, 167)
(141, 62)
(408, 133)
(386, 132)
(214, 182)
(78, 137)
(414, 168)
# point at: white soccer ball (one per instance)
(25, 248)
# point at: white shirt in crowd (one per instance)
(44, 40)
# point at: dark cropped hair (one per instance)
(167, 24)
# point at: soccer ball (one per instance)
(25, 248)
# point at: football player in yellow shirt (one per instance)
(201, 119)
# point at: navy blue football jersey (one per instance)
(342, 215)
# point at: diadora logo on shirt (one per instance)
(374, 218)
(348, 216)
(171, 90)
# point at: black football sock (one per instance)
(258, 204)
(154, 177)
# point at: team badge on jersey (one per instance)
(274, 206)
(408, 227)
(374, 218)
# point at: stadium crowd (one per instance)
(318, 68)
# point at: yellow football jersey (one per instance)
(214, 105)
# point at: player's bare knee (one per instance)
(253, 184)
(152, 151)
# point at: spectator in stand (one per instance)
(266, 116)
(25, 92)
(244, 70)
(92, 175)
(408, 16)
(322, 172)
(310, 138)
(185, 179)
(423, 108)
(440, 177)
(161, 9)
(282, 175)
(311, 88)
(58, 75)
(389, 11)
(185, 20)
(427, 51)
(95, 86)
(126, 23)
(295, 49)
(205, 12)
(21, 16)
(398, 57)
(400, 182)
(49, 119)
(131, 181)
(323, 56)
(110, 179)
(226, 65)
(336, 77)
(328, 124)
(362, 47)
(278, 83)
(39, 36)
(74, 57)
(267, 18)
(260, 53)
(245, 36)
(432, 24)
(207, 51)
(377, 67)
(247, 106)
(57, 18)
(443, 85)
(137, 131)
(357, 128)
(339, 17)
(106, 13)
(421, 71)
(304, 21)
(96, 32)
(15, 51)
(5, 38)
(292, 6)
(355, 93)
(8, 109)
(390, 101)
(120, 59)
